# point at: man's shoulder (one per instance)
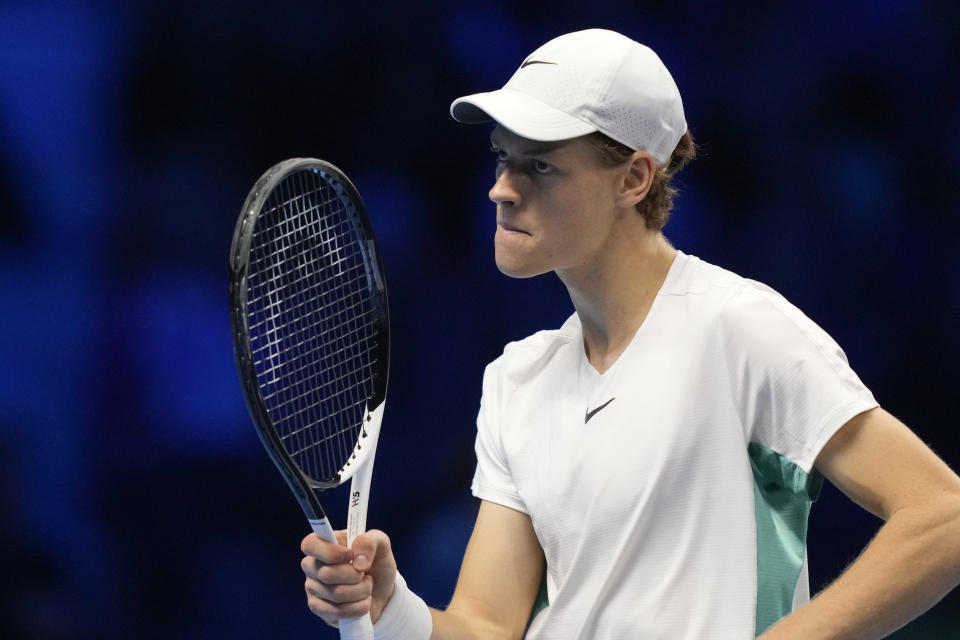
(523, 359)
(749, 315)
(727, 291)
(695, 277)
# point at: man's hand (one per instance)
(346, 582)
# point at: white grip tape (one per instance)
(356, 628)
(350, 628)
(323, 529)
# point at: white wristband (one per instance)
(406, 616)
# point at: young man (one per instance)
(653, 460)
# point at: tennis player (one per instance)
(651, 463)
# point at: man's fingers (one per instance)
(340, 593)
(332, 613)
(326, 551)
(330, 573)
(334, 602)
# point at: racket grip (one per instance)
(323, 529)
(356, 628)
(350, 628)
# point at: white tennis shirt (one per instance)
(670, 494)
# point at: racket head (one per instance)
(310, 323)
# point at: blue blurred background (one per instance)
(136, 499)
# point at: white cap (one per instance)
(586, 81)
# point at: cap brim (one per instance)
(523, 115)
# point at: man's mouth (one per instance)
(506, 226)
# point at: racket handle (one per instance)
(350, 628)
(323, 529)
(356, 628)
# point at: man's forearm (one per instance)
(452, 625)
(913, 562)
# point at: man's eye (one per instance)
(500, 153)
(541, 167)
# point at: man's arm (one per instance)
(913, 561)
(501, 572)
(498, 582)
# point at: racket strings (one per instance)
(279, 282)
(326, 439)
(331, 388)
(298, 307)
(298, 392)
(334, 405)
(312, 322)
(329, 416)
(309, 364)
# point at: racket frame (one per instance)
(359, 466)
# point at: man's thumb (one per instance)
(368, 547)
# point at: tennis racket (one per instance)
(311, 337)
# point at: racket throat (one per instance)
(359, 499)
(363, 456)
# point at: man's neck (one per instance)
(613, 298)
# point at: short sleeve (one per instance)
(791, 383)
(492, 480)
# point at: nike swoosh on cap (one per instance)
(527, 63)
(590, 414)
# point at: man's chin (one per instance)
(518, 271)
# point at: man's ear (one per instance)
(637, 178)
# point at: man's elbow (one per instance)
(935, 525)
(954, 517)
(950, 510)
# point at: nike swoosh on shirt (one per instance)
(590, 414)
(527, 63)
